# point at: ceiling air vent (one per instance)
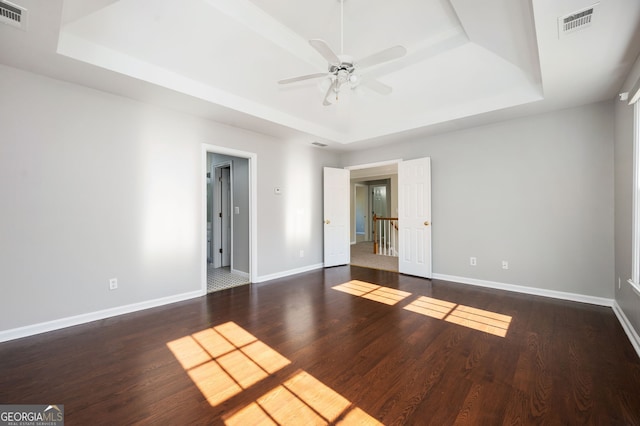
(13, 15)
(576, 20)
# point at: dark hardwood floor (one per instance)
(298, 351)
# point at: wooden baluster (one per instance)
(393, 240)
(379, 236)
(375, 238)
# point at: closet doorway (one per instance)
(229, 218)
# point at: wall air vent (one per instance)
(575, 21)
(13, 15)
(320, 144)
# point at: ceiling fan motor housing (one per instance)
(344, 72)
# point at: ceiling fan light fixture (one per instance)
(343, 76)
(342, 68)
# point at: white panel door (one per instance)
(337, 248)
(414, 217)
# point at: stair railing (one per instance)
(385, 236)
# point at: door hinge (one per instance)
(220, 250)
(220, 214)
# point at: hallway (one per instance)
(362, 255)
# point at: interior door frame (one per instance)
(388, 207)
(372, 165)
(399, 200)
(252, 159)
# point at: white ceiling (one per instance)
(468, 62)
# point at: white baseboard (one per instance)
(290, 272)
(240, 273)
(43, 327)
(628, 328)
(622, 318)
(574, 297)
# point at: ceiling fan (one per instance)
(343, 70)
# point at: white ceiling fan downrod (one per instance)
(341, 27)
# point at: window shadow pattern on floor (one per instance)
(225, 360)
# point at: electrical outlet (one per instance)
(113, 283)
(301, 253)
(473, 261)
(505, 264)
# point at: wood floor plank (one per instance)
(296, 348)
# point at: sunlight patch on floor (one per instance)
(225, 360)
(478, 319)
(386, 295)
(302, 399)
(466, 316)
(430, 307)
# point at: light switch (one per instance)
(237, 210)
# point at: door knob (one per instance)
(327, 221)
(426, 223)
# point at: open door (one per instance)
(414, 217)
(225, 215)
(222, 227)
(336, 217)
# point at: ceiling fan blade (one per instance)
(376, 86)
(332, 88)
(302, 77)
(323, 48)
(386, 55)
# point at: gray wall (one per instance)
(95, 186)
(536, 191)
(626, 298)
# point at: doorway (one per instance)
(409, 226)
(230, 219)
(380, 201)
(374, 192)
